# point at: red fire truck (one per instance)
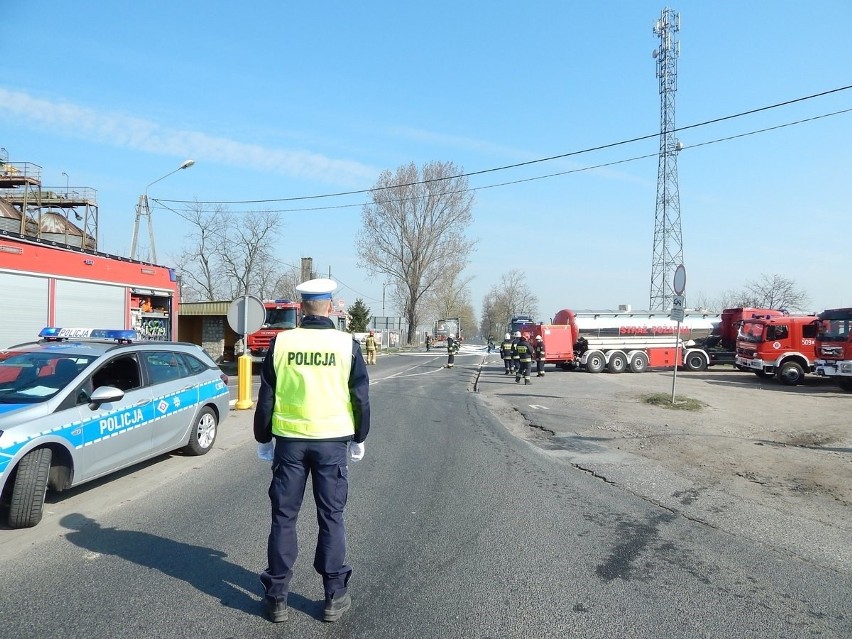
(44, 284)
(281, 315)
(628, 340)
(783, 347)
(834, 346)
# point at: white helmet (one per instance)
(508, 336)
(517, 334)
(538, 338)
(452, 336)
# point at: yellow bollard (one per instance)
(244, 400)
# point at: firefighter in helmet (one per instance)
(524, 352)
(452, 349)
(506, 353)
(515, 337)
(538, 349)
(370, 347)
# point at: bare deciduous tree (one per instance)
(227, 256)
(770, 291)
(511, 297)
(413, 231)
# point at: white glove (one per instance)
(356, 451)
(266, 452)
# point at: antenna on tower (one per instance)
(668, 242)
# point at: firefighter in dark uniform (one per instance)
(538, 348)
(452, 349)
(515, 337)
(524, 351)
(506, 354)
(314, 403)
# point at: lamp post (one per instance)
(66, 183)
(143, 208)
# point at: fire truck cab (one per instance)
(782, 347)
(281, 315)
(834, 346)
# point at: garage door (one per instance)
(23, 308)
(89, 305)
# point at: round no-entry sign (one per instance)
(679, 283)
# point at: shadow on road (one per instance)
(203, 568)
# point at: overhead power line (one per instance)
(535, 178)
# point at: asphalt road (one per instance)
(457, 528)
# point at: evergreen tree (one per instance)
(359, 317)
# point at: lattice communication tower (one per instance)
(668, 242)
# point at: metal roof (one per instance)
(203, 308)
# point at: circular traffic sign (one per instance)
(246, 315)
(679, 283)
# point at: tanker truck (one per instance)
(628, 340)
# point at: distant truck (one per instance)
(782, 347)
(626, 340)
(833, 346)
(444, 328)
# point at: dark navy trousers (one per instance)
(325, 462)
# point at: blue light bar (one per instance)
(119, 335)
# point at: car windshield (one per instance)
(281, 317)
(835, 330)
(31, 377)
(751, 332)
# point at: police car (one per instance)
(82, 403)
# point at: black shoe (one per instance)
(526, 381)
(276, 610)
(517, 380)
(335, 607)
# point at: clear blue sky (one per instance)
(278, 100)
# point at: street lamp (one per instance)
(66, 183)
(143, 208)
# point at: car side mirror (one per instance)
(105, 394)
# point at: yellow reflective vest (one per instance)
(312, 384)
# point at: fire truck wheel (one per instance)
(695, 362)
(845, 383)
(203, 433)
(762, 374)
(29, 489)
(639, 363)
(617, 362)
(596, 362)
(791, 373)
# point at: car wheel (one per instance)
(639, 363)
(203, 433)
(791, 373)
(617, 363)
(596, 362)
(27, 504)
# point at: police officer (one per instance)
(452, 349)
(524, 350)
(506, 353)
(538, 349)
(516, 336)
(370, 347)
(314, 402)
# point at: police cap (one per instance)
(319, 289)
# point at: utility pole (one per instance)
(668, 241)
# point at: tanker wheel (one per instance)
(617, 363)
(639, 363)
(596, 362)
(791, 373)
(695, 362)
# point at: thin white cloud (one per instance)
(127, 131)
